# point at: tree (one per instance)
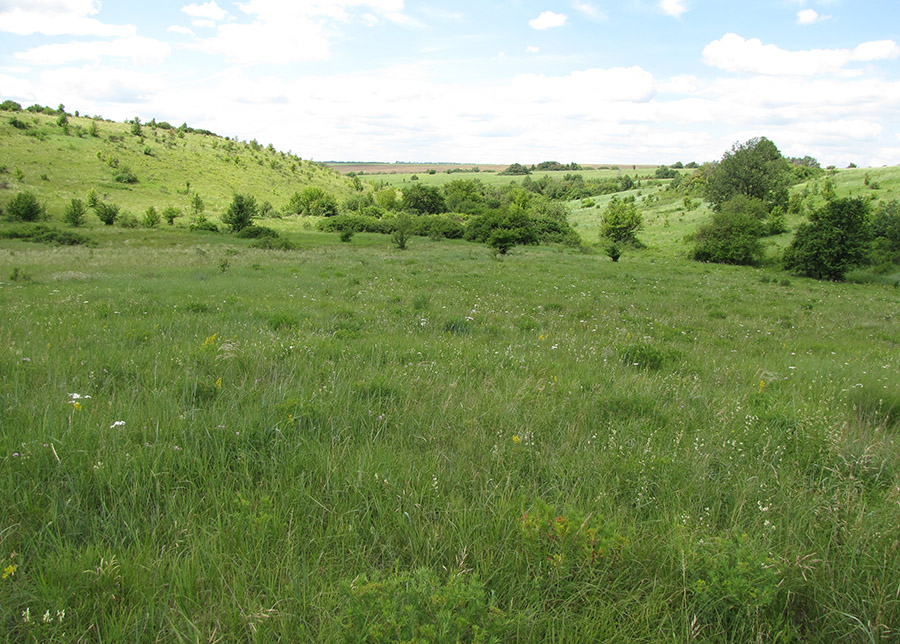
(312, 201)
(516, 169)
(241, 212)
(754, 169)
(621, 222)
(24, 207)
(197, 205)
(74, 214)
(423, 200)
(108, 213)
(833, 241)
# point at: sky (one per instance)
(477, 81)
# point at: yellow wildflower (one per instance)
(516, 440)
(9, 571)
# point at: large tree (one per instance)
(754, 169)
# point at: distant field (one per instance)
(422, 168)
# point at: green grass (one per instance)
(59, 166)
(318, 443)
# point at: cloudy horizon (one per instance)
(519, 81)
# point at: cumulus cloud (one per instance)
(736, 54)
(590, 11)
(139, 50)
(810, 16)
(548, 20)
(283, 33)
(207, 11)
(674, 8)
(57, 18)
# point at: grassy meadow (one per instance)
(206, 442)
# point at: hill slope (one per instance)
(59, 162)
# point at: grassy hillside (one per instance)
(60, 163)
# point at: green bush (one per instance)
(241, 212)
(418, 607)
(127, 220)
(312, 201)
(170, 214)
(44, 234)
(151, 218)
(621, 222)
(75, 213)
(833, 241)
(731, 237)
(24, 206)
(108, 213)
(423, 200)
(125, 175)
(256, 232)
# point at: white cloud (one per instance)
(673, 8)
(735, 54)
(531, 49)
(57, 18)
(208, 11)
(810, 16)
(548, 20)
(178, 29)
(590, 11)
(139, 50)
(284, 33)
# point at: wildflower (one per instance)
(60, 615)
(218, 383)
(118, 423)
(46, 618)
(762, 384)
(9, 571)
(210, 340)
(26, 615)
(516, 440)
(76, 405)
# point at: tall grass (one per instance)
(557, 447)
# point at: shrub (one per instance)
(423, 200)
(515, 169)
(151, 218)
(127, 220)
(10, 106)
(170, 214)
(108, 213)
(75, 212)
(732, 236)
(834, 240)
(24, 206)
(502, 240)
(418, 607)
(346, 235)
(241, 212)
(256, 232)
(18, 123)
(621, 222)
(92, 199)
(44, 234)
(312, 201)
(125, 175)
(203, 224)
(400, 235)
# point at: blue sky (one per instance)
(592, 81)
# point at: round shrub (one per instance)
(24, 207)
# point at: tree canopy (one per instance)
(754, 169)
(833, 241)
